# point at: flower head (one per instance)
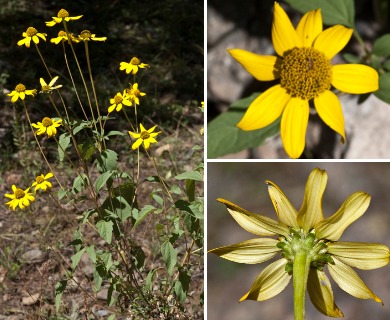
(42, 183)
(21, 92)
(62, 15)
(133, 93)
(147, 137)
(303, 65)
(62, 36)
(86, 35)
(31, 34)
(118, 101)
(132, 66)
(48, 88)
(306, 240)
(19, 197)
(47, 126)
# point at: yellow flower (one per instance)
(31, 34)
(19, 198)
(62, 15)
(202, 104)
(133, 93)
(133, 66)
(118, 101)
(62, 36)
(306, 74)
(145, 136)
(47, 126)
(42, 183)
(86, 35)
(305, 239)
(48, 88)
(21, 92)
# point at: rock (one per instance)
(32, 256)
(30, 300)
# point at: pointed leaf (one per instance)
(105, 230)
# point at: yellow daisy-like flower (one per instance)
(19, 198)
(21, 92)
(133, 93)
(306, 73)
(62, 36)
(307, 242)
(48, 88)
(42, 183)
(86, 35)
(133, 66)
(47, 126)
(118, 101)
(62, 15)
(31, 34)
(147, 137)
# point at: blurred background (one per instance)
(230, 24)
(244, 185)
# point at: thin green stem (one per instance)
(301, 269)
(43, 60)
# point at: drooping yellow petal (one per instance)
(254, 223)
(332, 40)
(329, 109)
(355, 78)
(270, 282)
(311, 210)
(250, 252)
(350, 282)
(284, 36)
(265, 109)
(321, 294)
(352, 209)
(309, 27)
(362, 255)
(261, 67)
(287, 214)
(293, 126)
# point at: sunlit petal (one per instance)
(332, 40)
(309, 27)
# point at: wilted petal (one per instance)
(255, 223)
(270, 282)
(349, 281)
(352, 209)
(365, 256)
(309, 27)
(311, 210)
(321, 294)
(250, 252)
(286, 212)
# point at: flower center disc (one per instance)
(144, 135)
(39, 179)
(86, 34)
(134, 61)
(305, 73)
(63, 14)
(31, 31)
(20, 88)
(46, 122)
(118, 99)
(19, 193)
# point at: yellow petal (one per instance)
(261, 67)
(287, 214)
(250, 252)
(136, 144)
(265, 109)
(332, 40)
(310, 27)
(293, 126)
(270, 282)
(321, 294)
(254, 223)
(352, 209)
(42, 82)
(284, 36)
(311, 210)
(355, 78)
(350, 282)
(329, 109)
(365, 256)
(142, 127)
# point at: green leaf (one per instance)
(169, 255)
(223, 137)
(175, 189)
(143, 214)
(98, 275)
(193, 175)
(182, 285)
(381, 46)
(384, 87)
(190, 189)
(115, 133)
(107, 160)
(105, 230)
(351, 58)
(333, 11)
(112, 317)
(61, 193)
(91, 253)
(149, 278)
(102, 179)
(59, 290)
(139, 256)
(63, 144)
(76, 258)
(79, 183)
(86, 150)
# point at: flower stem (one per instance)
(301, 269)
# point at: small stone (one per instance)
(32, 256)
(30, 300)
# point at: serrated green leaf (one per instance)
(105, 230)
(149, 279)
(63, 144)
(143, 214)
(79, 183)
(59, 290)
(91, 253)
(333, 11)
(76, 258)
(169, 255)
(384, 87)
(139, 257)
(193, 175)
(381, 46)
(175, 189)
(61, 193)
(102, 179)
(107, 160)
(86, 150)
(158, 199)
(115, 133)
(182, 285)
(98, 275)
